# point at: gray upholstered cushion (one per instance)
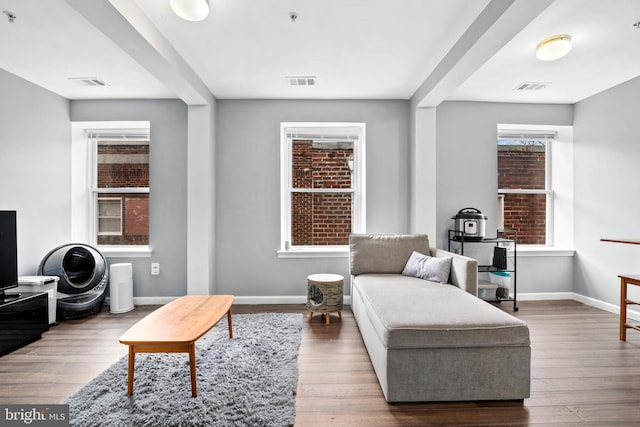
(428, 268)
(384, 253)
(407, 312)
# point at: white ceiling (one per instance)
(605, 53)
(49, 43)
(357, 49)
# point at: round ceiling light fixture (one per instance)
(190, 10)
(554, 47)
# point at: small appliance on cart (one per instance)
(470, 223)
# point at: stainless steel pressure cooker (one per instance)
(470, 223)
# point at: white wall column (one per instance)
(424, 186)
(200, 192)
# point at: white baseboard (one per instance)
(153, 300)
(236, 300)
(542, 296)
(270, 299)
(611, 308)
(597, 303)
(278, 299)
(147, 300)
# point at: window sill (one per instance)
(125, 251)
(332, 252)
(544, 251)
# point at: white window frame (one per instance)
(95, 135)
(560, 238)
(327, 130)
(82, 206)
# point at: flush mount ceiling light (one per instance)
(554, 47)
(190, 10)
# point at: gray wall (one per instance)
(466, 175)
(35, 145)
(35, 167)
(248, 187)
(168, 188)
(607, 190)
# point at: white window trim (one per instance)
(93, 170)
(358, 215)
(559, 169)
(82, 209)
(543, 251)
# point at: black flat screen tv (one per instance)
(8, 252)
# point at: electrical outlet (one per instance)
(155, 268)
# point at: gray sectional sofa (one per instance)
(431, 341)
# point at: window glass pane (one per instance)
(526, 213)
(109, 207)
(522, 165)
(109, 216)
(123, 218)
(123, 164)
(320, 218)
(109, 226)
(322, 164)
(118, 183)
(128, 224)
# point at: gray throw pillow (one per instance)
(427, 267)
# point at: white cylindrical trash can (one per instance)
(121, 287)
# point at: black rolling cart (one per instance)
(502, 263)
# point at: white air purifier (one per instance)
(121, 288)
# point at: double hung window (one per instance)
(322, 185)
(119, 187)
(525, 194)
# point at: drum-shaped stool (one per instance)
(325, 295)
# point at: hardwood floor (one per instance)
(581, 373)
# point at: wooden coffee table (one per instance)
(175, 327)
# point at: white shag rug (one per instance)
(249, 380)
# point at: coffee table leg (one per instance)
(192, 368)
(229, 321)
(623, 309)
(132, 362)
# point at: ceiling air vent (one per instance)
(532, 86)
(301, 80)
(88, 81)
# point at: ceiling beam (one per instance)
(128, 27)
(496, 25)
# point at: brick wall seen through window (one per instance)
(321, 218)
(123, 165)
(523, 167)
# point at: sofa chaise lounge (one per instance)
(431, 341)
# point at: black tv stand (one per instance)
(22, 319)
(8, 297)
(4, 296)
